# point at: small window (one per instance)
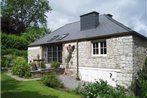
(62, 36)
(53, 38)
(99, 48)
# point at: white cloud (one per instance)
(56, 20)
(131, 13)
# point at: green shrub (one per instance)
(140, 84)
(51, 80)
(102, 90)
(55, 64)
(7, 60)
(21, 67)
(143, 90)
(7, 56)
(92, 90)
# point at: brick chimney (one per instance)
(89, 20)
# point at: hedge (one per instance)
(15, 52)
(13, 41)
(22, 42)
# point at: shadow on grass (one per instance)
(8, 83)
(10, 89)
(25, 94)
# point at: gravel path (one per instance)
(21, 79)
(68, 81)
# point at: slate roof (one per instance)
(107, 26)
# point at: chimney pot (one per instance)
(110, 15)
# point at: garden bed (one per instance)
(40, 72)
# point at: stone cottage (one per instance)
(104, 49)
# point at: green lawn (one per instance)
(11, 88)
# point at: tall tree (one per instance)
(18, 15)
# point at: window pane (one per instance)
(62, 36)
(93, 51)
(93, 45)
(105, 44)
(54, 37)
(59, 48)
(54, 54)
(97, 51)
(105, 50)
(101, 50)
(49, 48)
(101, 44)
(54, 48)
(97, 45)
(49, 54)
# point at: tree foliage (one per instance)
(12, 41)
(34, 33)
(18, 15)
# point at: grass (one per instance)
(11, 88)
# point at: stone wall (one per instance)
(119, 56)
(33, 52)
(139, 54)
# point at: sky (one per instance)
(132, 13)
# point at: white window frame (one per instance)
(99, 48)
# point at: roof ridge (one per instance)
(64, 25)
(118, 23)
(72, 22)
(123, 26)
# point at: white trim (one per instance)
(99, 55)
(103, 69)
(96, 68)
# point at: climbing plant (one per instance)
(70, 49)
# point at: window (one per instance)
(53, 38)
(55, 53)
(58, 37)
(99, 48)
(62, 36)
